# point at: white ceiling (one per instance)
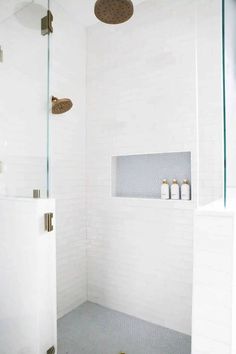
(80, 9)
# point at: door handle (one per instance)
(48, 222)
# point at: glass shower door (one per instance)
(23, 98)
(229, 99)
(27, 251)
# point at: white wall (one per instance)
(150, 89)
(28, 321)
(67, 151)
(141, 98)
(149, 82)
(214, 282)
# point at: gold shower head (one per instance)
(114, 11)
(61, 105)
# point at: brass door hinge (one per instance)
(1, 55)
(48, 222)
(46, 24)
(36, 193)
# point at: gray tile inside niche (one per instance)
(140, 176)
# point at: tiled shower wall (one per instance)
(67, 137)
(142, 96)
(210, 100)
(214, 282)
(147, 86)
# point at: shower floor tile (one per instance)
(93, 329)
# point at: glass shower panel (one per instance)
(23, 98)
(229, 75)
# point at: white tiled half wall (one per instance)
(214, 283)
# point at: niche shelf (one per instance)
(140, 176)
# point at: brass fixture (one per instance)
(1, 55)
(48, 222)
(61, 105)
(114, 11)
(46, 24)
(36, 193)
(51, 350)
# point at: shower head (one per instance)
(114, 11)
(61, 105)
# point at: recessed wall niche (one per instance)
(140, 176)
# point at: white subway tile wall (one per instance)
(143, 83)
(147, 85)
(67, 150)
(213, 283)
(141, 96)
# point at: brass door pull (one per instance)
(48, 222)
